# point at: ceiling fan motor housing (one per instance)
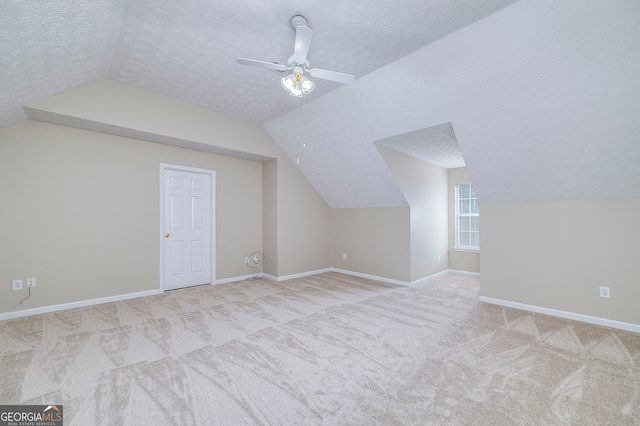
(298, 20)
(298, 62)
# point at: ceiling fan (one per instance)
(296, 83)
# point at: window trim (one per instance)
(457, 246)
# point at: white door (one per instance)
(187, 227)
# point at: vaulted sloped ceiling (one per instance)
(47, 47)
(187, 49)
(541, 96)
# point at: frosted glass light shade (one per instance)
(297, 85)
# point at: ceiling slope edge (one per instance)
(344, 167)
(418, 179)
(436, 144)
(111, 129)
(111, 107)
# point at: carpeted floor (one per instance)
(328, 349)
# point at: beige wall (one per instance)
(460, 260)
(128, 107)
(270, 216)
(108, 187)
(304, 224)
(81, 212)
(556, 254)
(376, 241)
(303, 217)
(424, 185)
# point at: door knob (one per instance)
(167, 235)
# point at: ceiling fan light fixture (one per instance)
(307, 85)
(297, 84)
(288, 82)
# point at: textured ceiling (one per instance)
(543, 97)
(47, 47)
(437, 145)
(542, 94)
(187, 49)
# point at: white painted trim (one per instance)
(563, 314)
(429, 278)
(79, 304)
(466, 250)
(240, 278)
(372, 277)
(456, 271)
(352, 273)
(300, 275)
(212, 174)
(83, 303)
(271, 277)
(404, 283)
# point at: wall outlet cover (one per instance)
(16, 285)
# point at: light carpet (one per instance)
(328, 349)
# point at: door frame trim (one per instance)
(212, 173)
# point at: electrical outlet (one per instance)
(344, 256)
(605, 292)
(31, 282)
(246, 260)
(438, 258)
(16, 285)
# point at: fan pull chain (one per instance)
(301, 138)
(298, 130)
(304, 121)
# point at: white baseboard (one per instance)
(563, 314)
(79, 304)
(240, 278)
(271, 277)
(430, 277)
(372, 277)
(82, 303)
(300, 275)
(456, 271)
(404, 283)
(309, 273)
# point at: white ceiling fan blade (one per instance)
(340, 77)
(303, 41)
(254, 63)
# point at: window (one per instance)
(467, 218)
